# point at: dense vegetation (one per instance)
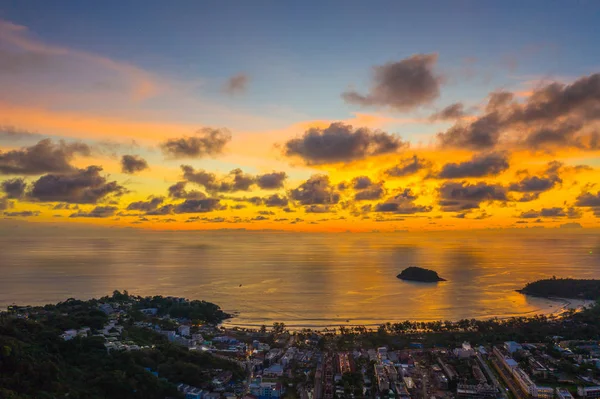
(414, 273)
(564, 287)
(36, 363)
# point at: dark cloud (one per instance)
(460, 196)
(499, 99)
(408, 166)
(200, 177)
(14, 188)
(318, 209)
(315, 191)
(402, 85)
(553, 116)
(13, 133)
(271, 181)
(236, 180)
(366, 189)
(198, 206)
(206, 142)
(401, 203)
(535, 184)
(588, 200)
(146, 206)
(451, 112)
(481, 134)
(178, 190)
(562, 134)
(43, 157)
(478, 166)
(361, 182)
(544, 212)
(97, 212)
(341, 143)
(22, 214)
(237, 84)
(163, 210)
(133, 163)
(82, 186)
(268, 213)
(275, 200)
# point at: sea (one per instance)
(305, 280)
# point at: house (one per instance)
(512, 346)
(275, 370)
(184, 330)
(170, 335)
(106, 308)
(191, 392)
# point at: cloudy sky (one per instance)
(312, 116)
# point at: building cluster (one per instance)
(281, 365)
(528, 376)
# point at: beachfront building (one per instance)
(589, 392)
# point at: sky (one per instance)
(305, 116)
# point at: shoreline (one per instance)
(565, 305)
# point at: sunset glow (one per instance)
(119, 126)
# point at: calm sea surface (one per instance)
(301, 279)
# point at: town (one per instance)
(276, 362)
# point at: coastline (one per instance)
(550, 310)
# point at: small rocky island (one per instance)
(414, 273)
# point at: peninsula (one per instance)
(414, 273)
(564, 288)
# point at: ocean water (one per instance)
(301, 279)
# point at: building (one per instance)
(106, 308)
(465, 351)
(191, 392)
(170, 335)
(512, 346)
(529, 387)
(383, 383)
(184, 330)
(266, 390)
(589, 392)
(382, 353)
(275, 370)
(481, 391)
(562, 393)
(70, 334)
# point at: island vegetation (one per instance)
(414, 273)
(563, 288)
